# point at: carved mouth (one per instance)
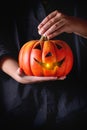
(50, 66)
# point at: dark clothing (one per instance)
(50, 104)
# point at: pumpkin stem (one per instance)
(43, 38)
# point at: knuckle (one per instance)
(56, 11)
(56, 25)
(51, 21)
(59, 14)
(48, 17)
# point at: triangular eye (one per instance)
(48, 54)
(38, 46)
(58, 46)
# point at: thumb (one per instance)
(20, 72)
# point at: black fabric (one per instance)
(47, 104)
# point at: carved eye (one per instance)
(38, 46)
(48, 54)
(58, 46)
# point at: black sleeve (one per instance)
(8, 43)
(81, 12)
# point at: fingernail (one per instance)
(39, 32)
(38, 27)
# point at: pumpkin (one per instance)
(45, 57)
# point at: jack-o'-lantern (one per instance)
(46, 58)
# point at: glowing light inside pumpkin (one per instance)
(48, 66)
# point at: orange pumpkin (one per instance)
(46, 58)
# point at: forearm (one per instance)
(9, 66)
(80, 27)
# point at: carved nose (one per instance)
(48, 54)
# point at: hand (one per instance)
(11, 67)
(56, 23)
(33, 79)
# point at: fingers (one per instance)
(55, 29)
(45, 78)
(50, 16)
(49, 21)
(55, 33)
(52, 25)
(36, 79)
(62, 78)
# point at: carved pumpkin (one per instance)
(46, 58)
